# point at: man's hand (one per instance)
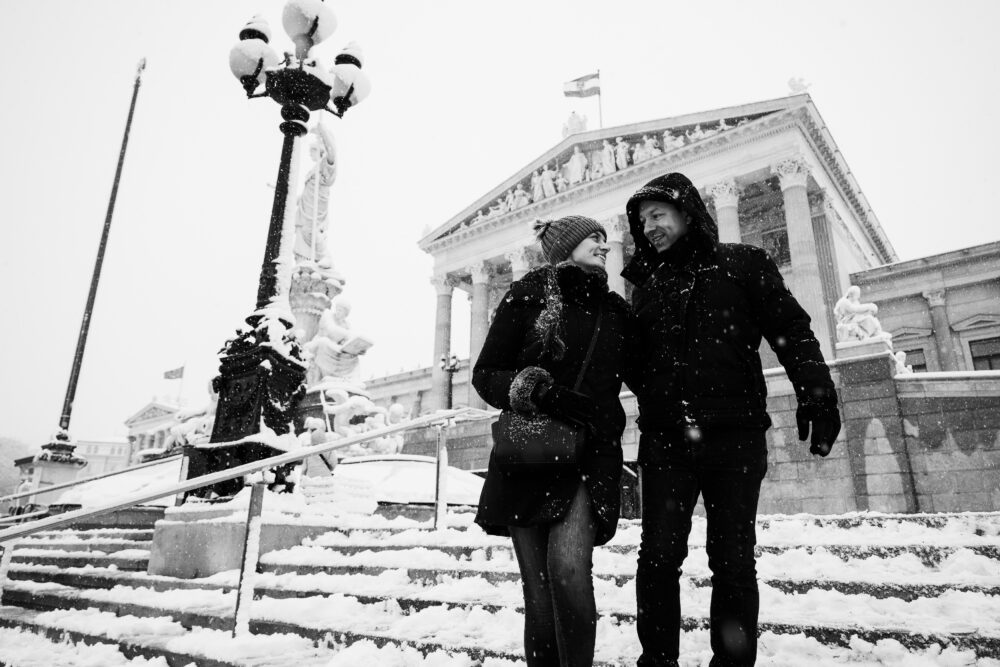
(566, 404)
(825, 423)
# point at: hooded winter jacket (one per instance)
(514, 343)
(702, 308)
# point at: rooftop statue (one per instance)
(670, 141)
(608, 158)
(576, 168)
(574, 124)
(621, 153)
(856, 320)
(902, 368)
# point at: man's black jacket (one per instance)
(702, 309)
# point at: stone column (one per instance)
(726, 195)
(480, 310)
(616, 257)
(805, 282)
(520, 262)
(442, 342)
(947, 356)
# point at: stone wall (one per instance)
(926, 442)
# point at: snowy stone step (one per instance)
(158, 638)
(128, 559)
(96, 533)
(88, 546)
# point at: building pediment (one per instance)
(660, 143)
(904, 334)
(977, 322)
(150, 412)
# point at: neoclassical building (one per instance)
(770, 172)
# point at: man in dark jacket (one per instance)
(702, 309)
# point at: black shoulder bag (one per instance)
(538, 443)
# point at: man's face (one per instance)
(662, 223)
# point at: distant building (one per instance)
(149, 428)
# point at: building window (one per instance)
(917, 360)
(775, 242)
(985, 354)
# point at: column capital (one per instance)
(791, 172)
(935, 297)
(443, 284)
(615, 229)
(725, 193)
(481, 272)
(520, 260)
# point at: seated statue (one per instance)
(521, 197)
(335, 348)
(902, 368)
(856, 320)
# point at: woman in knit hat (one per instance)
(530, 362)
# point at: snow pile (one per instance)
(25, 649)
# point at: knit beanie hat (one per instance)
(559, 238)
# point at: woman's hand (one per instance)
(565, 404)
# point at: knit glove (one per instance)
(824, 419)
(565, 404)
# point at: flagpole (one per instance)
(600, 110)
(81, 341)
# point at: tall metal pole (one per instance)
(81, 341)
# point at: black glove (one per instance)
(565, 404)
(825, 421)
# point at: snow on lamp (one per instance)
(307, 22)
(252, 55)
(351, 85)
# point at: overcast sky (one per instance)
(464, 94)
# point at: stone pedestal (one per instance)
(863, 348)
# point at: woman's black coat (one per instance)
(515, 343)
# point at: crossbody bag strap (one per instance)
(590, 350)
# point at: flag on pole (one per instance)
(585, 86)
(175, 374)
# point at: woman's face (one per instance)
(592, 252)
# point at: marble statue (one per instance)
(621, 153)
(856, 320)
(671, 141)
(696, 134)
(313, 203)
(521, 198)
(596, 169)
(548, 179)
(902, 368)
(575, 124)
(561, 183)
(608, 165)
(335, 349)
(576, 167)
(193, 426)
(508, 200)
(537, 193)
(651, 145)
(639, 153)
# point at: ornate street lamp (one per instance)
(262, 369)
(450, 365)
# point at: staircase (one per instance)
(859, 589)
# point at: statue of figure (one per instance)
(496, 208)
(548, 179)
(608, 157)
(696, 134)
(902, 368)
(671, 141)
(576, 123)
(193, 426)
(621, 153)
(596, 168)
(335, 349)
(651, 145)
(521, 198)
(537, 192)
(313, 203)
(639, 153)
(576, 167)
(856, 320)
(723, 126)
(561, 183)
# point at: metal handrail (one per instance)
(65, 485)
(223, 475)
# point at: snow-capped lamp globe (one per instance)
(252, 54)
(262, 369)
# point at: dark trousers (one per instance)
(556, 563)
(727, 470)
